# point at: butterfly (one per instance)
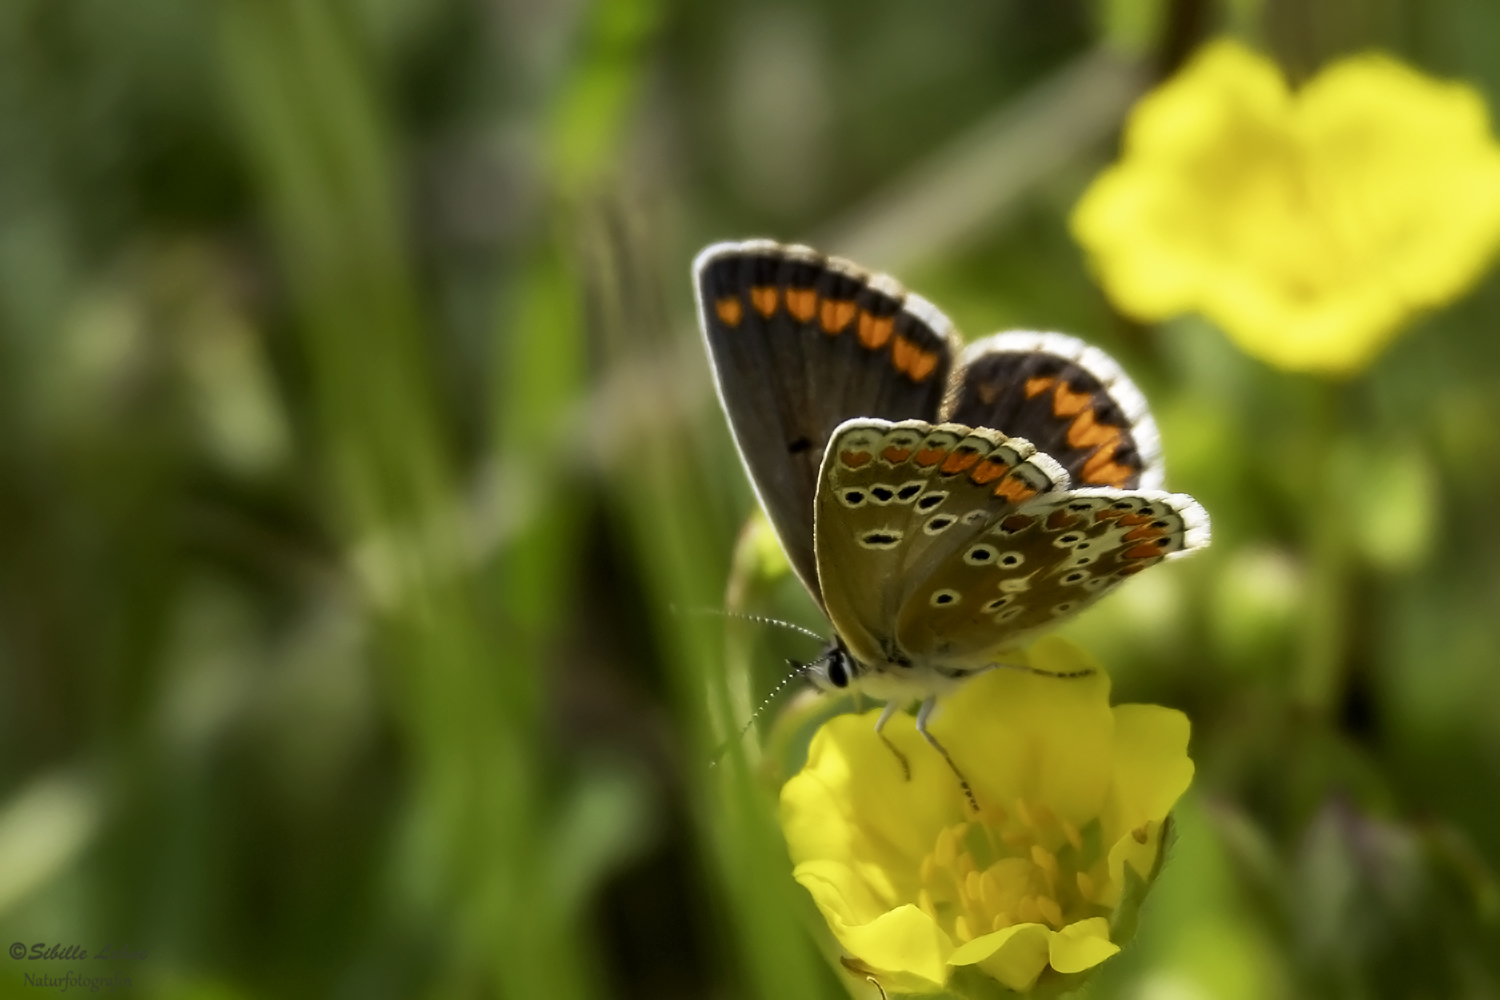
(941, 503)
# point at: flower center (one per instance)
(1013, 866)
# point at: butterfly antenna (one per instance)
(759, 619)
(798, 670)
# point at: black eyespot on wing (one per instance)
(882, 493)
(930, 501)
(908, 491)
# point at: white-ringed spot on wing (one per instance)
(1063, 608)
(1086, 504)
(998, 603)
(944, 598)
(907, 492)
(1009, 560)
(882, 494)
(1074, 577)
(853, 498)
(882, 538)
(1015, 586)
(1068, 540)
(981, 555)
(1096, 583)
(975, 516)
(932, 500)
(941, 522)
(1011, 612)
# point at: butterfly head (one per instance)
(833, 671)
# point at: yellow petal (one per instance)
(1015, 955)
(1151, 766)
(1081, 945)
(903, 941)
(1017, 734)
(852, 800)
(1138, 849)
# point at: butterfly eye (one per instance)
(1010, 560)
(852, 498)
(944, 598)
(981, 555)
(837, 675)
(931, 500)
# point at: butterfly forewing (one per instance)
(896, 501)
(1069, 399)
(1039, 565)
(800, 343)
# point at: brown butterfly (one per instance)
(942, 504)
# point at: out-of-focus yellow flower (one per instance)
(1309, 226)
(1042, 884)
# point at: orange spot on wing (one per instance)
(835, 315)
(922, 366)
(1142, 534)
(801, 303)
(988, 471)
(904, 354)
(1017, 522)
(1037, 386)
(960, 460)
(1142, 552)
(1060, 519)
(730, 311)
(895, 455)
(1086, 432)
(1102, 470)
(1066, 403)
(875, 331)
(854, 459)
(764, 299)
(930, 456)
(1015, 489)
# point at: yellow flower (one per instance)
(1309, 226)
(1043, 883)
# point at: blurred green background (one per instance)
(357, 445)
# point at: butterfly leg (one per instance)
(923, 714)
(885, 716)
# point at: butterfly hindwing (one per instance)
(897, 500)
(1039, 565)
(800, 343)
(1066, 397)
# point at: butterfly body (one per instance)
(942, 504)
